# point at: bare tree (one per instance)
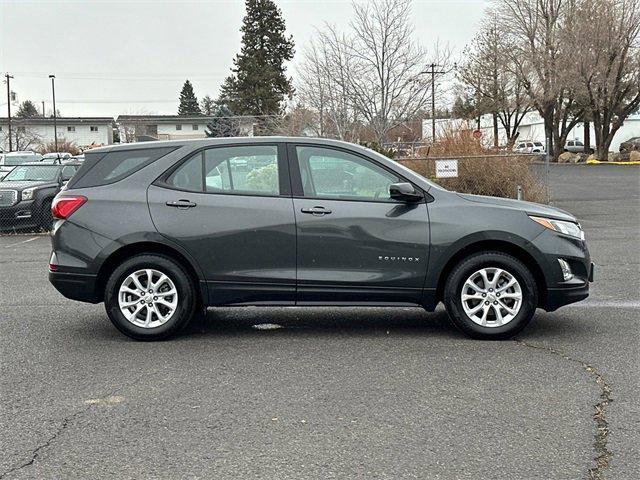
(487, 74)
(375, 75)
(23, 138)
(388, 83)
(607, 56)
(542, 57)
(324, 85)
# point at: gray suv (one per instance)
(158, 232)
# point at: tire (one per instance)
(46, 218)
(164, 321)
(506, 316)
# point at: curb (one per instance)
(598, 162)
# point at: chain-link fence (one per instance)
(24, 209)
(502, 175)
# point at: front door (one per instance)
(230, 208)
(356, 245)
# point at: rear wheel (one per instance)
(150, 297)
(491, 295)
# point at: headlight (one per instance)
(27, 193)
(568, 228)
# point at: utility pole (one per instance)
(433, 100)
(55, 120)
(43, 114)
(8, 77)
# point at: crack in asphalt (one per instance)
(63, 426)
(36, 451)
(603, 454)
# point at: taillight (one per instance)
(63, 207)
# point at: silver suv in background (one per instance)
(529, 147)
(11, 159)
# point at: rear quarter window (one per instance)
(103, 169)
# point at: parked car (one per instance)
(159, 231)
(75, 159)
(630, 145)
(11, 159)
(576, 146)
(26, 194)
(529, 147)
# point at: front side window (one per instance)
(328, 173)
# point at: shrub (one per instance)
(497, 175)
(63, 146)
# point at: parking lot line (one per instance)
(22, 242)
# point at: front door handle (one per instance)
(317, 210)
(183, 204)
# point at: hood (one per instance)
(22, 185)
(528, 207)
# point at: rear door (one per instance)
(356, 245)
(230, 207)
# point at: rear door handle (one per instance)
(183, 204)
(317, 210)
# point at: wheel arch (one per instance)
(501, 246)
(119, 255)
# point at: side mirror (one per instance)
(405, 192)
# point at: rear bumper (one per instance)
(75, 286)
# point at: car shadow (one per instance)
(334, 320)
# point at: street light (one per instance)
(55, 120)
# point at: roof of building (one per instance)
(59, 120)
(172, 118)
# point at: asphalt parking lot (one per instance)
(334, 393)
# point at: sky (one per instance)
(132, 57)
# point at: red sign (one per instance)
(477, 134)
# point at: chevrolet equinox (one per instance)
(158, 232)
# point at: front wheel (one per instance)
(491, 295)
(150, 297)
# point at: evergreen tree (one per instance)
(207, 105)
(188, 101)
(27, 109)
(258, 84)
(222, 125)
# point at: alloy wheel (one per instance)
(148, 298)
(491, 297)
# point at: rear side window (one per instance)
(115, 166)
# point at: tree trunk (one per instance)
(587, 138)
(495, 130)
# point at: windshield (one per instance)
(33, 173)
(14, 160)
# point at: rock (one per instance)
(592, 157)
(580, 158)
(634, 156)
(614, 157)
(567, 157)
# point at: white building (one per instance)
(31, 133)
(135, 128)
(531, 128)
